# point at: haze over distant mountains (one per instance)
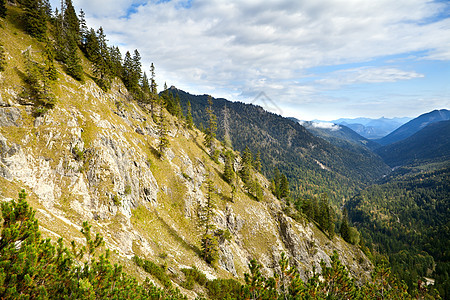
(414, 126)
(373, 128)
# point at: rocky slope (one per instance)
(93, 158)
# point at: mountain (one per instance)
(415, 125)
(311, 164)
(372, 128)
(340, 135)
(92, 152)
(428, 144)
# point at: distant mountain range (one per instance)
(372, 128)
(340, 135)
(429, 143)
(414, 126)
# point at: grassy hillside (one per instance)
(94, 156)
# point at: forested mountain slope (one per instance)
(428, 144)
(413, 126)
(311, 164)
(407, 217)
(341, 136)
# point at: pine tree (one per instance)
(228, 172)
(209, 243)
(3, 8)
(146, 90)
(257, 161)
(2, 58)
(100, 56)
(189, 120)
(337, 282)
(162, 133)
(345, 227)
(71, 22)
(50, 70)
(35, 18)
(212, 127)
(116, 61)
(83, 27)
(153, 89)
(284, 186)
(38, 85)
(246, 169)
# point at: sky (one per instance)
(309, 59)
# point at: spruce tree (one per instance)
(246, 169)
(228, 172)
(153, 89)
(189, 120)
(209, 243)
(257, 161)
(345, 227)
(162, 133)
(212, 127)
(38, 85)
(35, 18)
(2, 8)
(284, 186)
(2, 58)
(146, 90)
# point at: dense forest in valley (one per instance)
(407, 217)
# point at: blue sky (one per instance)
(316, 59)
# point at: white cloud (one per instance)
(244, 47)
(366, 75)
(326, 125)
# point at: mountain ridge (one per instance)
(288, 146)
(411, 127)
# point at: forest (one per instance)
(406, 217)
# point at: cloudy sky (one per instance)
(314, 59)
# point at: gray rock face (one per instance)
(10, 116)
(92, 160)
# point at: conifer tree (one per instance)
(38, 85)
(189, 120)
(257, 161)
(50, 70)
(162, 133)
(212, 127)
(284, 186)
(35, 18)
(116, 61)
(153, 89)
(337, 282)
(345, 227)
(2, 8)
(146, 90)
(228, 172)
(226, 127)
(2, 58)
(83, 27)
(209, 243)
(247, 162)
